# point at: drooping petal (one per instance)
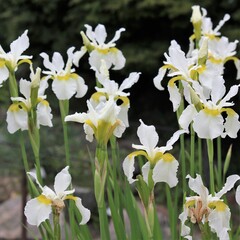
(185, 230)
(37, 212)
(145, 171)
(232, 125)
(4, 74)
(128, 168)
(81, 87)
(89, 132)
(64, 89)
(119, 130)
(16, 119)
(147, 136)
(166, 171)
(44, 115)
(76, 117)
(208, 126)
(84, 211)
(117, 59)
(219, 220)
(231, 180)
(62, 180)
(174, 96)
(187, 116)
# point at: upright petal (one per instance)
(62, 180)
(147, 136)
(231, 180)
(196, 184)
(18, 46)
(100, 34)
(37, 212)
(84, 211)
(128, 82)
(158, 79)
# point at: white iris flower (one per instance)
(205, 208)
(9, 61)
(100, 50)
(163, 165)
(208, 122)
(18, 112)
(38, 209)
(101, 121)
(66, 82)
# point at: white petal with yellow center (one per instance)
(166, 171)
(37, 212)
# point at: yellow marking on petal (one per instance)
(25, 61)
(173, 80)
(43, 199)
(2, 63)
(230, 112)
(167, 157)
(157, 156)
(45, 102)
(125, 100)
(71, 197)
(190, 203)
(192, 37)
(213, 112)
(215, 60)
(218, 205)
(235, 59)
(201, 69)
(97, 95)
(138, 153)
(90, 123)
(14, 107)
(211, 36)
(66, 77)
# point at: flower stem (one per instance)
(13, 87)
(99, 188)
(210, 159)
(64, 109)
(192, 153)
(57, 228)
(219, 161)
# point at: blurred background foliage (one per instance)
(150, 26)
